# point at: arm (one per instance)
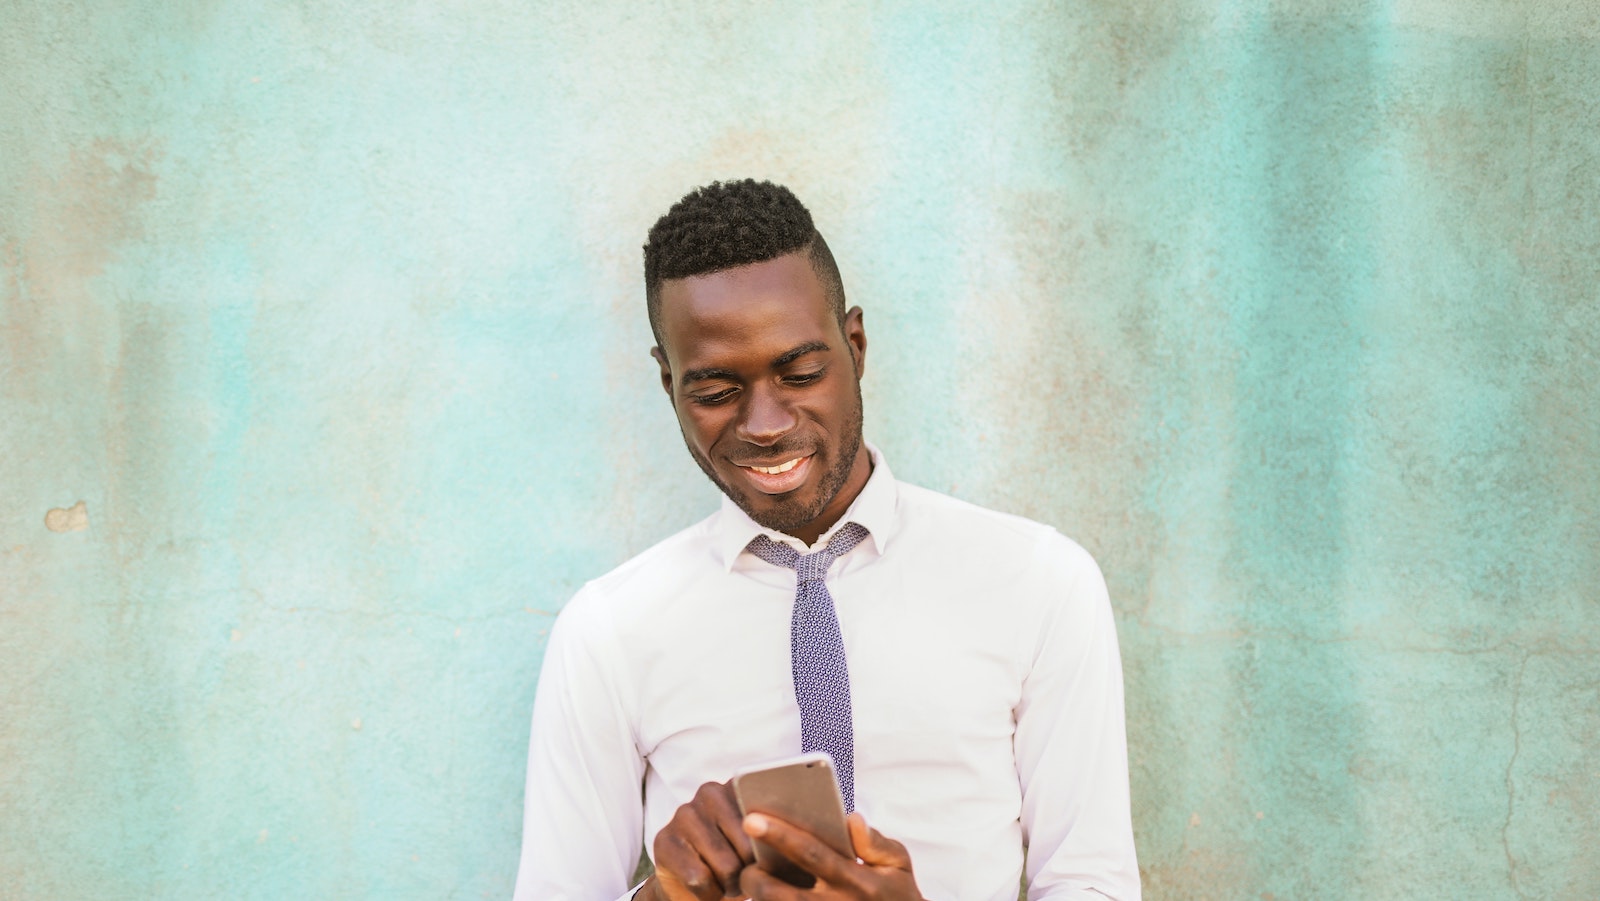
(583, 816)
(1071, 745)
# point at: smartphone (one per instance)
(803, 792)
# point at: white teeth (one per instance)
(774, 470)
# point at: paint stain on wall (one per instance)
(71, 519)
(81, 217)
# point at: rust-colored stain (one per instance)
(82, 215)
(71, 519)
(1201, 871)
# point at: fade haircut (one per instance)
(734, 223)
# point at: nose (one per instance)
(764, 418)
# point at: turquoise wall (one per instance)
(329, 316)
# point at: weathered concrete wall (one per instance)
(323, 384)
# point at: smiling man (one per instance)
(959, 664)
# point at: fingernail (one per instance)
(755, 824)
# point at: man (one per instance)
(960, 664)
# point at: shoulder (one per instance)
(646, 581)
(1004, 539)
(1038, 587)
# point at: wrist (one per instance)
(647, 891)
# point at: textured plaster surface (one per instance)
(323, 385)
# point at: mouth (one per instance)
(780, 477)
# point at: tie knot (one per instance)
(811, 567)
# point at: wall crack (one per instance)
(1511, 785)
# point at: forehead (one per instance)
(759, 309)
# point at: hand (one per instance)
(883, 873)
(701, 851)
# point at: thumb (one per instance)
(874, 848)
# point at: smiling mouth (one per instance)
(774, 470)
(779, 478)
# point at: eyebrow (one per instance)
(810, 347)
(783, 359)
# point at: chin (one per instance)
(779, 512)
(783, 516)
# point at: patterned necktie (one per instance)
(816, 652)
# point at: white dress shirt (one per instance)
(984, 675)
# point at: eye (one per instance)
(711, 400)
(804, 378)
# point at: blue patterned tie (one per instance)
(816, 652)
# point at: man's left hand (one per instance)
(883, 872)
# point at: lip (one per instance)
(779, 483)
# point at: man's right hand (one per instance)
(700, 853)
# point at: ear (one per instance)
(666, 370)
(855, 335)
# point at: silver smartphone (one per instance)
(803, 792)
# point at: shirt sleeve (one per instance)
(583, 816)
(1071, 744)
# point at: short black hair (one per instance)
(728, 224)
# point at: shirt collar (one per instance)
(875, 508)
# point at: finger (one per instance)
(711, 843)
(723, 808)
(763, 886)
(806, 850)
(680, 871)
(670, 889)
(876, 849)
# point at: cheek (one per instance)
(840, 408)
(701, 425)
